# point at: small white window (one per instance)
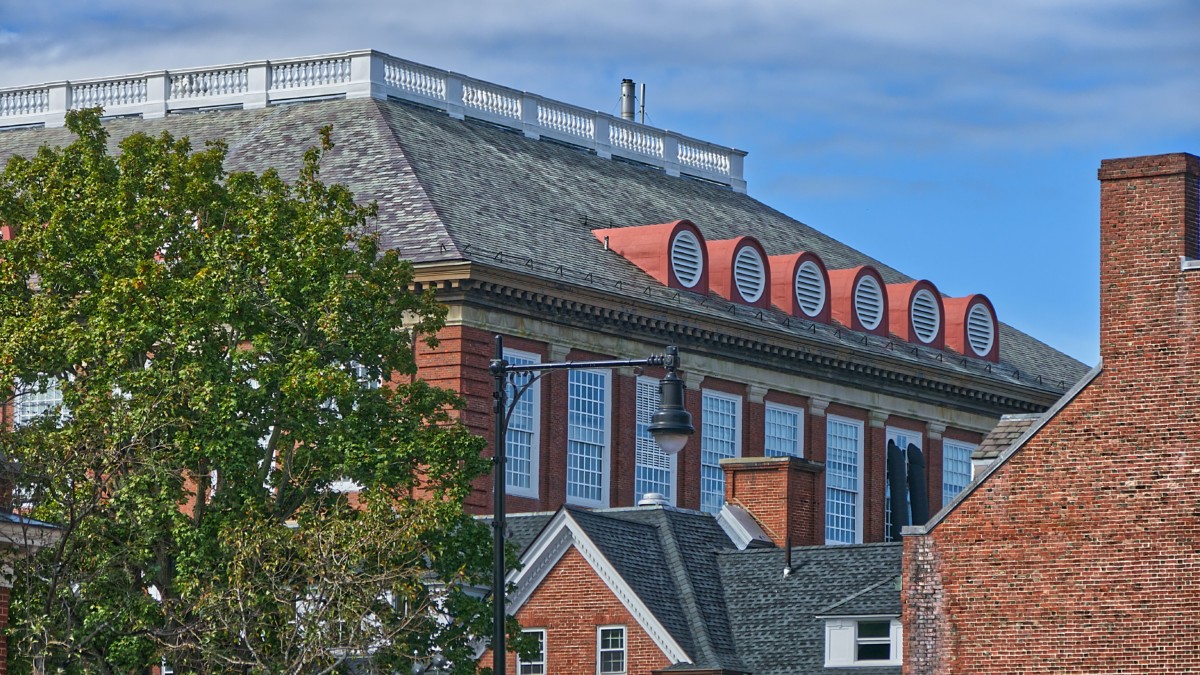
(926, 319)
(610, 650)
(654, 470)
(536, 665)
(587, 437)
(980, 329)
(522, 442)
(956, 468)
(720, 438)
(843, 480)
(749, 274)
(783, 431)
(810, 288)
(863, 642)
(868, 302)
(687, 260)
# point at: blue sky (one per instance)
(956, 141)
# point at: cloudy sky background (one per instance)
(957, 141)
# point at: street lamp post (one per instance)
(671, 426)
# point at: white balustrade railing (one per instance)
(206, 83)
(310, 73)
(109, 94)
(637, 138)
(371, 74)
(420, 80)
(566, 120)
(18, 102)
(492, 99)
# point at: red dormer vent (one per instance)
(858, 299)
(972, 328)
(673, 253)
(916, 313)
(740, 272)
(800, 285)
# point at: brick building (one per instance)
(1076, 550)
(578, 235)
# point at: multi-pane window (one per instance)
(32, 401)
(587, 437)
(537, 664)
(783, 431)
(843, 480)
(610, 650)
(903, 438)
(521, 444)
(720, 438)
(654, 471)
(873, 641)
(956, 468)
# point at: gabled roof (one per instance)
(453, 190)
(724, 608)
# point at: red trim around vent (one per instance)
(722, 254)
(649, 247)
(900, 302)
(783, 284)
(957, 311)
(841, 295)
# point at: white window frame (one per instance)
(714, 469)
(841, 642)
(908, 436)
(24, 413)
(969, 448)
(540, 663)
(644, 444)
(532, 397)
(600, 650)
(859, 464)
(605, 444)
(799, 428)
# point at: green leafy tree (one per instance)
(211, 334)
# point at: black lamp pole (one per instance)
(671, 425)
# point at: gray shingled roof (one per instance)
(452, 189)
(734, 609)
(1003, 434)
(774, 617)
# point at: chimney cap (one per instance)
(653, 499)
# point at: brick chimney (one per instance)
(1149, 274)
(780, 492)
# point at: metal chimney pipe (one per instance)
(628, 100)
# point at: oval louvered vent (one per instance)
(687, 261)
(926, 319)
(868, 302)
(810, 288)
(980, 329)
(749, 274)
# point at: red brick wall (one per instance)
(1082, 552)
(570, 604)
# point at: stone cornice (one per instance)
(765, 346)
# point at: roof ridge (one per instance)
(889, 579)
(672, 552)
(406, 167)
